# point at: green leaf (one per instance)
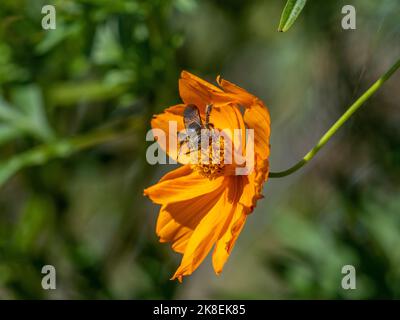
(290, 13)
(8, 133)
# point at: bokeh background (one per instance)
(75, 107)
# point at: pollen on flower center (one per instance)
(211, 158)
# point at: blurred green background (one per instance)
(75, 107)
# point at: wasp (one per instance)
(194, 126)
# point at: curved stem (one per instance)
(342, 120)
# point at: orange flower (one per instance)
(200, 209)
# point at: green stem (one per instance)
(342, 120)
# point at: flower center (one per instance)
(210, 162)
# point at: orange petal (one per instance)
(178, 172)
(251, 192)
(200, 83)
(208, 230)
(177, 221)
(256, 117)
(174, 187)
